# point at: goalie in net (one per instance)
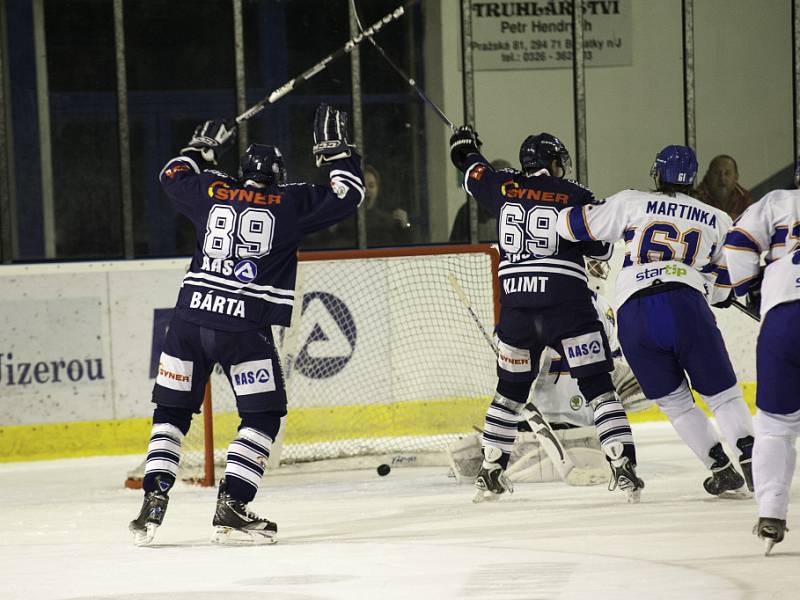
(563, 407)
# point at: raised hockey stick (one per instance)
(321, 65)
(462, 296)
(409, 80)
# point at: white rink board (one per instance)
(104, 312)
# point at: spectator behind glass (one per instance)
(383, 228)
(720, 187)
(487, 222)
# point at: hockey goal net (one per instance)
(382, 358)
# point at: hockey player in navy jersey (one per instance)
(772, 225)
(240, 282)
(672, 270)
(545, 301)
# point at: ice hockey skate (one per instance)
(234, 524)
(150, 516)
(623, 473)
(771, 531)
(725, 480)
(745, 446)
(491, 481)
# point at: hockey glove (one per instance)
(211, 139)
(463, 142)
(331, 138)
(726, 302)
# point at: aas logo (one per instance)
(245, 271)
(331, 341)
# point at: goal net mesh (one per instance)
(382, 357)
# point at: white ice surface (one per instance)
(411, 535)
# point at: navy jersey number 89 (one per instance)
(243, 270)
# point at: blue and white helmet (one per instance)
(675, 164)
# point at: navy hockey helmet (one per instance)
(538, 151)
(675, 164)
(263, 164)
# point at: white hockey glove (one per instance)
(331, 138)
(211, 139)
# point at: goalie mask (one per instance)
(538, 151)
(262, 164)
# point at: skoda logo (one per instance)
(576, 403)
(245, 271)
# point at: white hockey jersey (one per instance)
(771, 225)
(669, 239)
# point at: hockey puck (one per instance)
(383, 470)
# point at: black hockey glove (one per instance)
(211, 139)
(463, 142)
(331, 137)
(726, 302)
(753, 303)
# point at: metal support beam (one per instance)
(579, 93)
(123, 128)
(241, 82)
(45, 145)
(468, 86)
(796, 75)
(357, 120)
(8, 223)
(690, 133)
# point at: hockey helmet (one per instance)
(675, 164)
(263, 164)
(538, 151)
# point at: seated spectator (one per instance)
(720, 187)
(383, 228)
(487, 222)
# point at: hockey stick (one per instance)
(745, 310)
(462, 296)
(321, 65)
(409, 80)
(550, 444)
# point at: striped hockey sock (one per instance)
(612, 423)
(163, 456)
(247, 459)
(500, 426)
